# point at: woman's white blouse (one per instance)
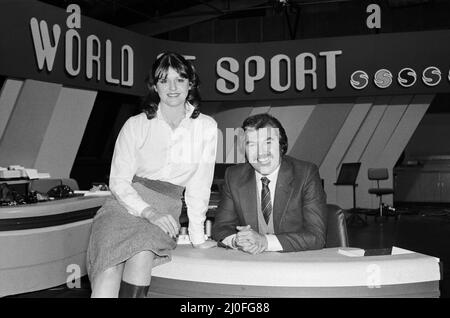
(184, 156)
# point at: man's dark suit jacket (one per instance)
(299, 209)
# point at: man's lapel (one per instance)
(283, 192)
(247, 196)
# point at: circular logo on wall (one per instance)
(431, 76)
(359, 79)
(383, 78)
(406, 77)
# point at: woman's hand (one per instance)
(165, 222)
(206, 244)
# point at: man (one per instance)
(273, 202)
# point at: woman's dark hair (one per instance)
(159, 70)
(265, 120)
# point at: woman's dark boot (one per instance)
(128, 290)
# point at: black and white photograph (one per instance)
(225, 153)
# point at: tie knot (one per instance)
(265, 181)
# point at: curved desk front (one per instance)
(220, 272)
(43, 245)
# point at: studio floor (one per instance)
(424, 229)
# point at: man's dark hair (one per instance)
(265, 120)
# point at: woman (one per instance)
(168, 148)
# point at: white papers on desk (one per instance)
(357, 252)
(88, 193)
(398, 251)
(351, 252)
(183, 239)
(31, 173)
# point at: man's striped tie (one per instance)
(266, 204)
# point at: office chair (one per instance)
(378, 174)
(336, 235)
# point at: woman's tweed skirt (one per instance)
(117, 235)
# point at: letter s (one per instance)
(228, 75)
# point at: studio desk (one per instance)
(220, 272)
(44, 245)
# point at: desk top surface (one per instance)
(319, 268)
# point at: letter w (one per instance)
(45, 52)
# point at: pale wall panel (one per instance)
(8, 98)
(293, 118)
(366, 130)
(65, 131)
(358, 146)
(258, 110)
(231, 119)
(330, 166)
(320, 131)
(401, 136)
(379, 141)
(405, 129)
(28, 123)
